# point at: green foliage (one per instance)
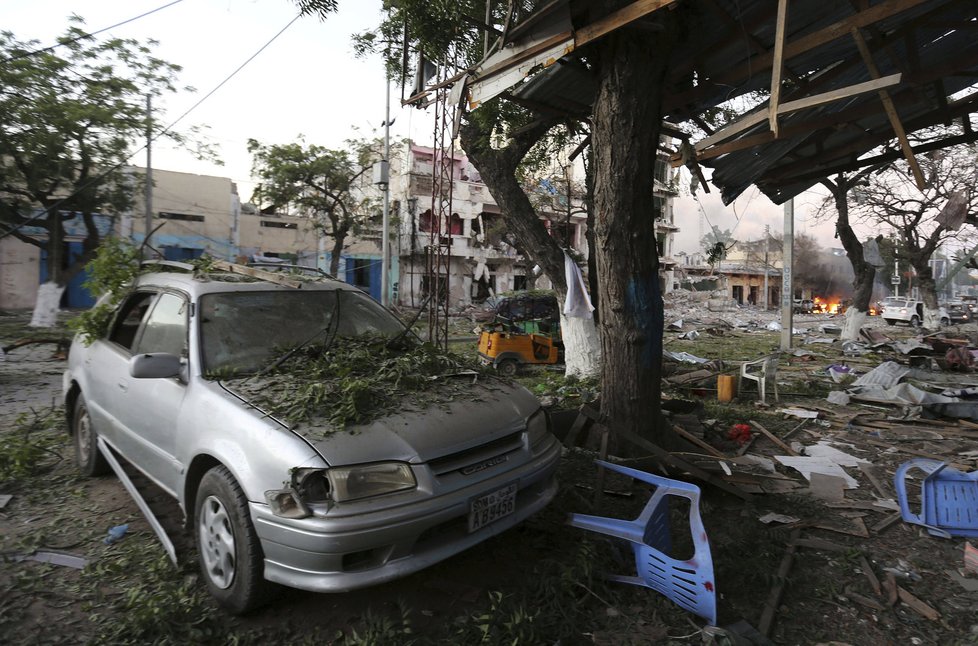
(383, 630)
(30, 447)
(356, 380)
(67, 120)
(115, 266)
(164, 605)
(544, 611)
(325, 184)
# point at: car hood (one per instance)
(492, 411)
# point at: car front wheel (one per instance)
(945, 322)
(914, 321)
(89, 458)
(230, 554)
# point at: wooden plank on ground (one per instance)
(871, 471)
(667, 458)
(918, 606)
(771, 436)
(885, 524)
(689, 437)
(867, 569)
(774, 597)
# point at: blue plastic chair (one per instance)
(688, 583)
(948, 498)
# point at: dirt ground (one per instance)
(539, 583)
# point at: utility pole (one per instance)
(385, 247)
(767, 245)
(787, 290)
(149, 171)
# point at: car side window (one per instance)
(129, 318)
(166, 328)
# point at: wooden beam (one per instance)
(667, 458)
(260, 274)
(794, 106)
(735, 75)
(618, 19)
(777, 66)
(891, 111)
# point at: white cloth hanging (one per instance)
(578, 302)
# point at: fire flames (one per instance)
(826, 305)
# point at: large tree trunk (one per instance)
(48, 302)
(498, 171)
(928, 293)
(865, 273)
(339, 239)
(631, 67)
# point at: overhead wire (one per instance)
(68, 41)
(53, 208)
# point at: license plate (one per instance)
(491, 507)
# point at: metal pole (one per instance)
(149, 170)
(767, 246)
(787, 291)
(385, 278)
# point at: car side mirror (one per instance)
(156, 365)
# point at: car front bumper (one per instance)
(351, 552)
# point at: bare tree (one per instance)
(921, 220)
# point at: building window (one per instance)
(660, 244)
(455, 225)
(429, 223)
(661, 170)
(519, 283)
(186, 217)
(279, 225)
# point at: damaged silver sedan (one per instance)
(256, 406)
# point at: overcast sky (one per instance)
(308, 82)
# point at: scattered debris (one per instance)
(116, 534)
(4, 499)
(772, 517)
(55, 558)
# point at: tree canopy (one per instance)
(319, 182)
(68, 117)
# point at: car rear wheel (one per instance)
(231, 558)
(89, 458)
(507, 367)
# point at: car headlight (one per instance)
(367, 480)
(537, 427)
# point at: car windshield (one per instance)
(243, 332)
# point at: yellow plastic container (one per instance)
(726, 387)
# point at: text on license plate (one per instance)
(491, 507)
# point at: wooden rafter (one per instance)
(736, 74)
(777, 65)
(891, 111)
(706, 144)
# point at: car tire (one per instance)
(88, 456)
(914, 321)
(229, 551)
(945, 322)
(890, 321)
(507, 367)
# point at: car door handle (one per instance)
(123, 386)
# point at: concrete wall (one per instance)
(19, 274)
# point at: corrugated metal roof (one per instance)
(728, 53)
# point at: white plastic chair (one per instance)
(761, 371)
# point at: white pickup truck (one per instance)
(908, 310)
